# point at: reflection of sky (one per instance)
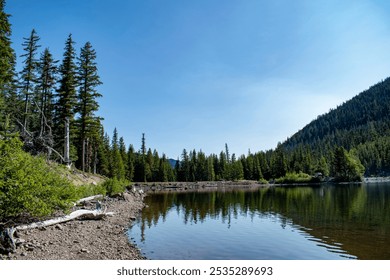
(262, 236)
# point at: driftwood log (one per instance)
(78, 214)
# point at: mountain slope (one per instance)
(361, 124)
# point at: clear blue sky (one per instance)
(199, 74)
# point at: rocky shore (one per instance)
(104, 239)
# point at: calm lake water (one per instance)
(277, 223)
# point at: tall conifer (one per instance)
(7, 70)
(88, 80)
(67, 98)
(28, 76)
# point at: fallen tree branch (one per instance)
(84, 214)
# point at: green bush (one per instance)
(90, 190)
(114, 186)
(295, 178)
(28, 186)
(263, 181)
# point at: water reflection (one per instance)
(348, 221)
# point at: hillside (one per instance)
(361, 124)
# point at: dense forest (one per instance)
(51, 106)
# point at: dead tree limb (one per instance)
(78, 214)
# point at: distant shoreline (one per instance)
(245, 184)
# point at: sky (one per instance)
(199, 74)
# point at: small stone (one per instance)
(59, 227)
(84, 251)
(20, 241)
(23, 254)
(76, 241)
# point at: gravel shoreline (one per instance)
(104, 239)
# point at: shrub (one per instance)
(263, 181)
(291, 178)
(90, 190)
(28, 186)
(114, 186)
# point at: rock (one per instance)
(23, 254)
(127, 197)
(20, 241)
(84, 251)
(59, 227)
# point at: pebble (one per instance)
(59, 227)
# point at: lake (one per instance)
(272, 223)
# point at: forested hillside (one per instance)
(361, 125)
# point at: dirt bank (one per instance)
(85, 240)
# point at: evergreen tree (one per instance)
(88, 80)
(279, 162)
(117, 169)
(67, 99)
(130, 171)
(29, 76)
(47, 71)
(227, 153)
(346, 166)
(143, 158)
(210, 169)
(163, 171)
(104, 154)
(9, 106)
(185, 167)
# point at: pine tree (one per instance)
(67, 99)
(130, 171)
(143, 158)
(103, 154)
(88, 80)
(346, 166)
(117, 169)
(279, 162)
(7, 54)
(9, 106)
(47, 77)
(47, 70)
(29, 76)
(210, 169)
